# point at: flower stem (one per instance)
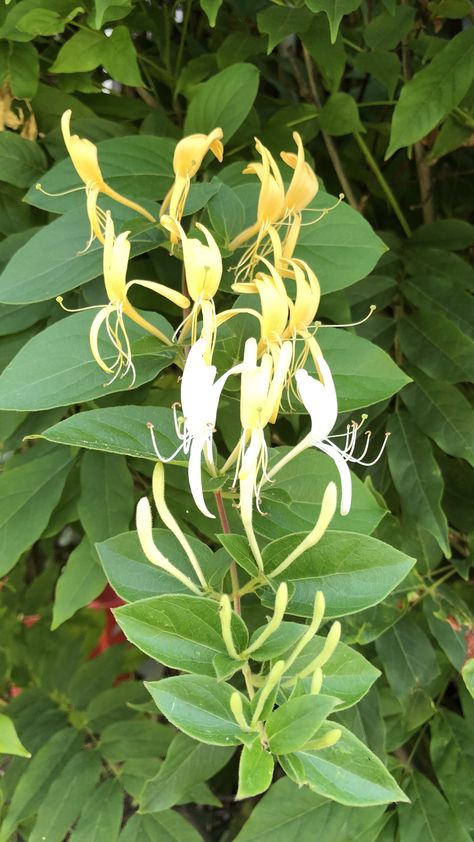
(234, 577)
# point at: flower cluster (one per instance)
(273, 363)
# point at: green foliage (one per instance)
(170, 735)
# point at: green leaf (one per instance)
(291, 725)
(138, 738)
(417, 477)
(346, 772)
(451, 234)
(408, 657)
(429, 293)
(117, 429)
(56, 367)
(66, 797)
(83, 51)
(428, 816)
(226, 213)
(106, 504)
(10, 742)
(452, 756)
(382, 65)
(330, 58)
(120, 58)
(386, 30)
(186, 764)
(107, 10)
(180, 631)
(335, 10)
(19, 63)
(301, 485)
(42, 770)
(438, 265)
(211, 9)
(133, 577)
(437, 346)
(102, 815)
(433, 92)
(28, 495)
(168, 826)
(200, 706)
(341, 247)
(81, 581)
(223, 101)
(366, 722)
(348, 676)
(287, 813)
(280, 21)
(340, 115)
(443, 413)
(22, 161)
(451, 641)
(50, 263)
(255, 771)
(353, 572)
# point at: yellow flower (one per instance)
(261, 389)
(274, 304)
(115, 262)
(188, 157)
(203, 271)
(304, 183)
(84, 158)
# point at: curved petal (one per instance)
(94, 337)
(194, 475)
(344, 473)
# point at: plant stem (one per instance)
(390, 196)
(184, 32)
(330, 145)
(234, 576)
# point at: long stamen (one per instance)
(353, 324)
(60, 301)
(151, 428)
(41, 189)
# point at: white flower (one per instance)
(199, 402)
(320, 400)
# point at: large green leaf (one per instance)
(353, 572)
(66, 797)
(181, 631)
(255, 770)
(335, 10)
(408, 657)
(54, 261)
(102, 815)
(290, 726)
(223, 101)
(341, 247)
(21, 161)
(81, 580)
(200, 706)
(56, 367)
(186, 764)
(28, 495)
(117, 429)
(428, 816)
(280, 21)
(348, 676)
(455, 303)
(443, 413)
(433, 92)
(134, 577)
(417, 477)
(169, 826)
(36, 780)
(107, 498)
(288, 813)
(347, 772)
(452, 755)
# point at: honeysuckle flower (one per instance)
(304, 183)
(320, 400)
(261, 389)
(84, 158)
(115, 262)
(200, 394)
(188, 157)
(203, 270)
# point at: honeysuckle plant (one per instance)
(261, 681)
(193, 449)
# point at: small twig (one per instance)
(390, 196)
(234, 576)
(330, 145)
